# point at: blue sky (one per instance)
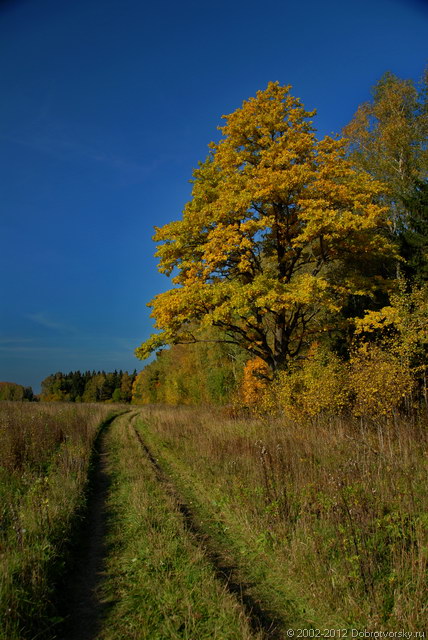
(107, 107)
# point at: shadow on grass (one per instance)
(78, 602)
(260, 617)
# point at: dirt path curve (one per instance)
(82, 609)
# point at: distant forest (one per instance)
(13, 391)
(95, 386)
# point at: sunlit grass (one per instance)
(330, 515)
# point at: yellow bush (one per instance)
(255, 382)
(379, 379)
(319, 385)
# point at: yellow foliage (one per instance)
(140, 391)
(319, 385)
(379, 380)
(272, 211)
(401, 327)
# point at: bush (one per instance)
(318, 386)
(380, 381)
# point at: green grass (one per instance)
(45, 453)
(327, 521)
(158, 581)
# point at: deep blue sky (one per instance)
(107, 106)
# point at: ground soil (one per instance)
(82, 608)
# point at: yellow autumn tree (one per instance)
(273, 214)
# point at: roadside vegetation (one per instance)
(221, 524)
(158, 582)
(45, 454)
(325, 518)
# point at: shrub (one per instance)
(379, 379)
(317, 386)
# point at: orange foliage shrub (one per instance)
(255, 382)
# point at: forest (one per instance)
(90, 386)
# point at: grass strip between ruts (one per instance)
(230, 541)
(158, 583)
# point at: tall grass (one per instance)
(45, 453)
(331, 511)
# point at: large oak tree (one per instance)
(263, 249)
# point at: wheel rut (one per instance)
(261, 619)
(81, 607)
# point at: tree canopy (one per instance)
(388, 137)
(264, 247)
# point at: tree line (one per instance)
(90, 386)
(12, 391)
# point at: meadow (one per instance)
(325, 518)
(220, 524)
(45, 455)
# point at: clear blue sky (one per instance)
(107, 106)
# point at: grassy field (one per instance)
(213, 527)
(158, 580)
(45, 454)
(327, 520)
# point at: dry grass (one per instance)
(325, 519)
(45, 453)
(332, 512)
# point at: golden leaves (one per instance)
(272, 208)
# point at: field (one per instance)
(160, 523)
(45, 454)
